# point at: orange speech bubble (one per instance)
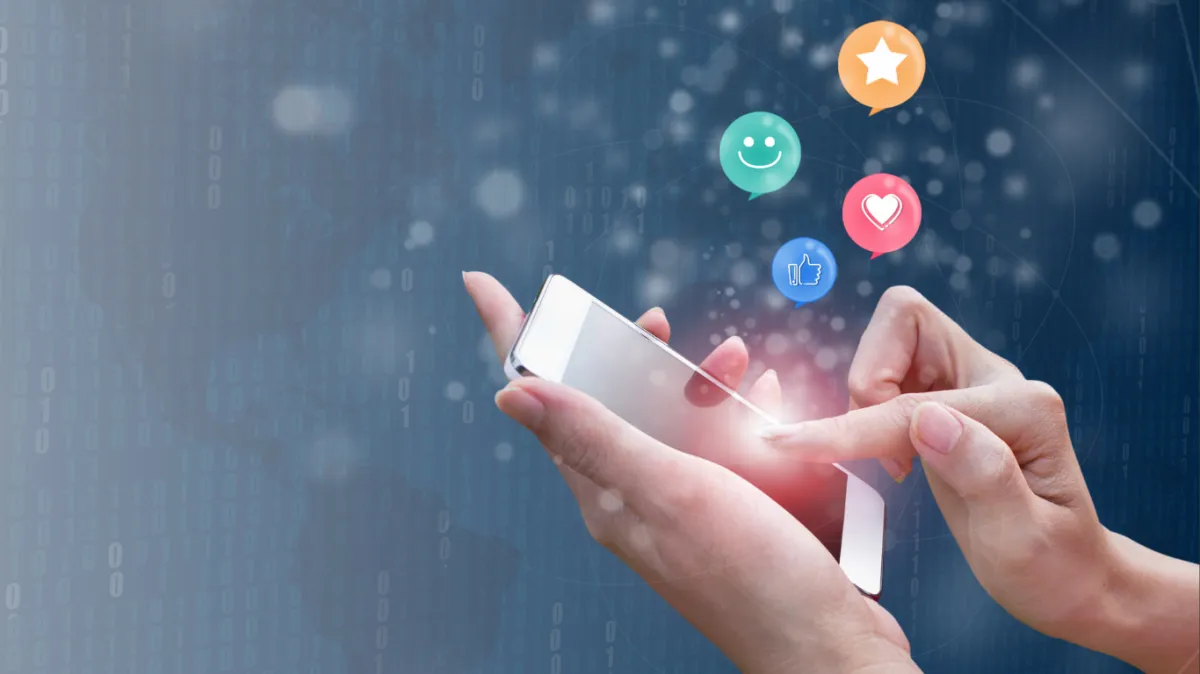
(881, 65)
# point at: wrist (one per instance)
(865, 650)
(1149, 612)
(861, 655)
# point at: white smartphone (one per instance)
(572, 338)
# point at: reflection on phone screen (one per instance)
(665, 397)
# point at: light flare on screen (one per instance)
(685, 408)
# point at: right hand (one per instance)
(998, 455)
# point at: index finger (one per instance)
(910, 346)
(882, 431)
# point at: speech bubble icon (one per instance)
(881, 65)
(881, 213)
(804, 270)
(760, 153)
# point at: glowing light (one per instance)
(1147, 214)
(310, 110)
(500, 193)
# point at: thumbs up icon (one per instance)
(807, 273)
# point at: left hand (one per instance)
(746, 573)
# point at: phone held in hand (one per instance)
(572, 338)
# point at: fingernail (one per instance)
(521, 405)
(936, 428)
(659, 310)
(894, 469)
(771, 433)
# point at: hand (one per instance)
(998, 456)
(733, 562)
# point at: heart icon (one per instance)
(882, 211)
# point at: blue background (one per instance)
(246, 416)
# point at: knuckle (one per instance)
(1044, 397)
(907, 403)
(904, 299)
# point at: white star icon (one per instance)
(881, 63)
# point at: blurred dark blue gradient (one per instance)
(248, 420)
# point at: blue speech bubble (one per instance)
(804, 270)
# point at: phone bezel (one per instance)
(861, 555)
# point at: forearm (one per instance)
(1150, 615)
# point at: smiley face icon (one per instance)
(760, 153)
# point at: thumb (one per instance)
(586, 437)
(975, 465)
(805, 260)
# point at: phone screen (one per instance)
(676, 403)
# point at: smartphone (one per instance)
(572, 338)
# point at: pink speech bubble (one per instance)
(882, 213)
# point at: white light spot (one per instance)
(822, 56)
(730, 21)
(625, 240)
(743, 273)
(668, 48)
(999, 143)
(775, 344)
(791, 40)
(837, 324)
(658, 377)
(934, 187)
(1025, 274)
(500, 193)
(827, 358)
(1106, 247)
(959, 282)
(333, 457)
(611, 501)
(601, 12)
(312, 110)
(455, 391)
(782, 6)
(864, 288)
(656, 289)
(680, 101)
(872, 166)
(1147, 214)
(1136, 75)
(420, 233)
(1026, 233)
(504, 452)
(639, 535)
(664, 254)
(772, 228)
(1028, 73)
(1016, 186)
(381, 278)
(974, 171)
(545, 57)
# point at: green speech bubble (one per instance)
(760, 152)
